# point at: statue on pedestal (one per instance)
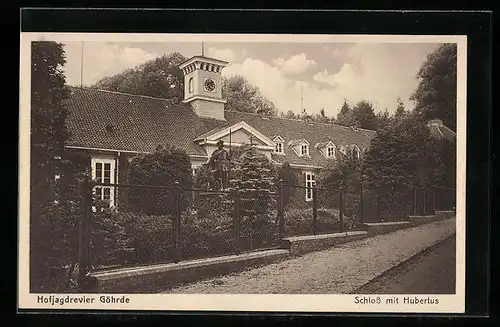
(219, 166)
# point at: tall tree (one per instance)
(383, 119)
(402, 153)
(159, 77)
(345, 115)
(436, 96)
(364, 115)
(400, 110)
(50, 220)
(243, 96)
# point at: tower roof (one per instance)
(204, 59)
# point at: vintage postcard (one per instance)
(240, 172)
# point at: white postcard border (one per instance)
(241, 302)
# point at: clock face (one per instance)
(209, 85)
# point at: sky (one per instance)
(327, 73)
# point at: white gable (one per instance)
(278, 139)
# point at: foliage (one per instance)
(243, 96)
(383, 119)
(54, 204)
(345, 115)
(341, 173)
(289, 177)
(400, 110)
(110, 242)
(159, 77)
(448, 151)
(402, 153)
(364, 115)
(361, 115)
(255, 176)
(208, 205)
(435, 95)
(163, 167)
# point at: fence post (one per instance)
(361, 204)
(315, 209)
(393, 209)
(177, 222)
(237, 197)
(414, 200)
(84, 244)
(341, 210)
(378, 205)
(433, 200)
(281, 211)
(424, 199)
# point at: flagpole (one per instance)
(81, 69)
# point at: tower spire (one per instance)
(202, 48)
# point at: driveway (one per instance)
(338, 270)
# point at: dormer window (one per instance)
(280, 146)
(300, 147)
(326, 148)
(330, 151)
(304, 150)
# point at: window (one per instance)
(103, 171)
(279, 147)
(304, 150)
(191, 85)
(310, 182)
(330, 151)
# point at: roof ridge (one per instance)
(299, 120)
(119, 93)
(449, 129)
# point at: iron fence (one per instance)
(130, 225)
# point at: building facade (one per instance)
(111, 128)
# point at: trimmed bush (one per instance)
(164, 167)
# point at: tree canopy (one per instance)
(159, 77)
(243, 96)
(52, 224)
(403, 153)
(162, 78)
(163, 167)
(362, 115)
(436, 95)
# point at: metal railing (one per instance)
(159, 224)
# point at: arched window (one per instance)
(191, 85)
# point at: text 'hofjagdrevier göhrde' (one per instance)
(68, 299)
(395, 300)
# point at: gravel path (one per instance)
(337, 270)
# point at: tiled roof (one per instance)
(442, 132)
(141, 123)
(321, 145)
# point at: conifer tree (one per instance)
(255, 177)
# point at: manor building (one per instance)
(111, 128)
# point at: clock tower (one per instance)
(203, 86)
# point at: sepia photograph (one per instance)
(222, 172)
